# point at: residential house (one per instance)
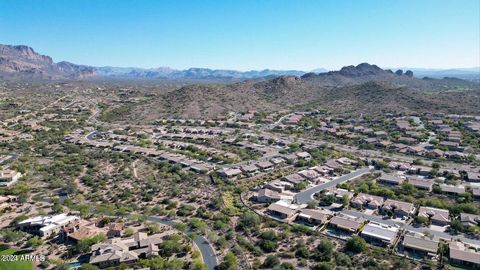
(437, 216)
(370, 140)
(379, 234)
(265, 166)
(292, 157)
(381, 134)
(304, 155)
(399, 146)
(333, 164)
(277, 161)
(451, 189)
(398, 166)
(420, 170)
(469, 220)
(367, 200)
(383, 144)
(452, 146)
(463, 254)
(476, 193)
(346, 223)
(294, 178)
(323, 170)
(79, 229)
(9, 177)
(230, 173)
(455, 155)
(309, 174)
(435, 153)
(416, 150)
(187, 162)
(200, 167)
(407, 140)
(390, 180)
(280, 211)
(346, 161)
(398, 208)
(420, 245)
(473, 176)
(116, 251)
(421, 183)
(46, 226)
(314, 216)
(115, 229)
(278, 185)
(250, 170)
(265, 195)
(340, 193)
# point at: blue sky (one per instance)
(248, 34)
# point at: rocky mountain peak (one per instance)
(360, 70)
(23, 61)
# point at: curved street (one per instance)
(307, 195)
(207, 251)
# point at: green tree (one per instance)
(343, 259)
(421, 220)
(249, 220)
(128, 232)
(153, 228)
(197, 264)
(457, 226)
(271, 261)
(229, 262)
(35, 241)
(169, 247)
(312, 204)
(84, 245)
(327, 199)
(268, 241)
(10, 235)
(345, 200)
(302, 251)
(57, 208)
(356, 244)
(324, 250)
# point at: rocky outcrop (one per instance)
(362, 69)
(23, 62)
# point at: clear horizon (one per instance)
(248, 35)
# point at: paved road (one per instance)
(408, 227)
(208, 254)
(89, 136)
(307, 195)
(279, 121)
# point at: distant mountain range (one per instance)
(191, 73)
(353, 90)
(23, 62)
(471, 74)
